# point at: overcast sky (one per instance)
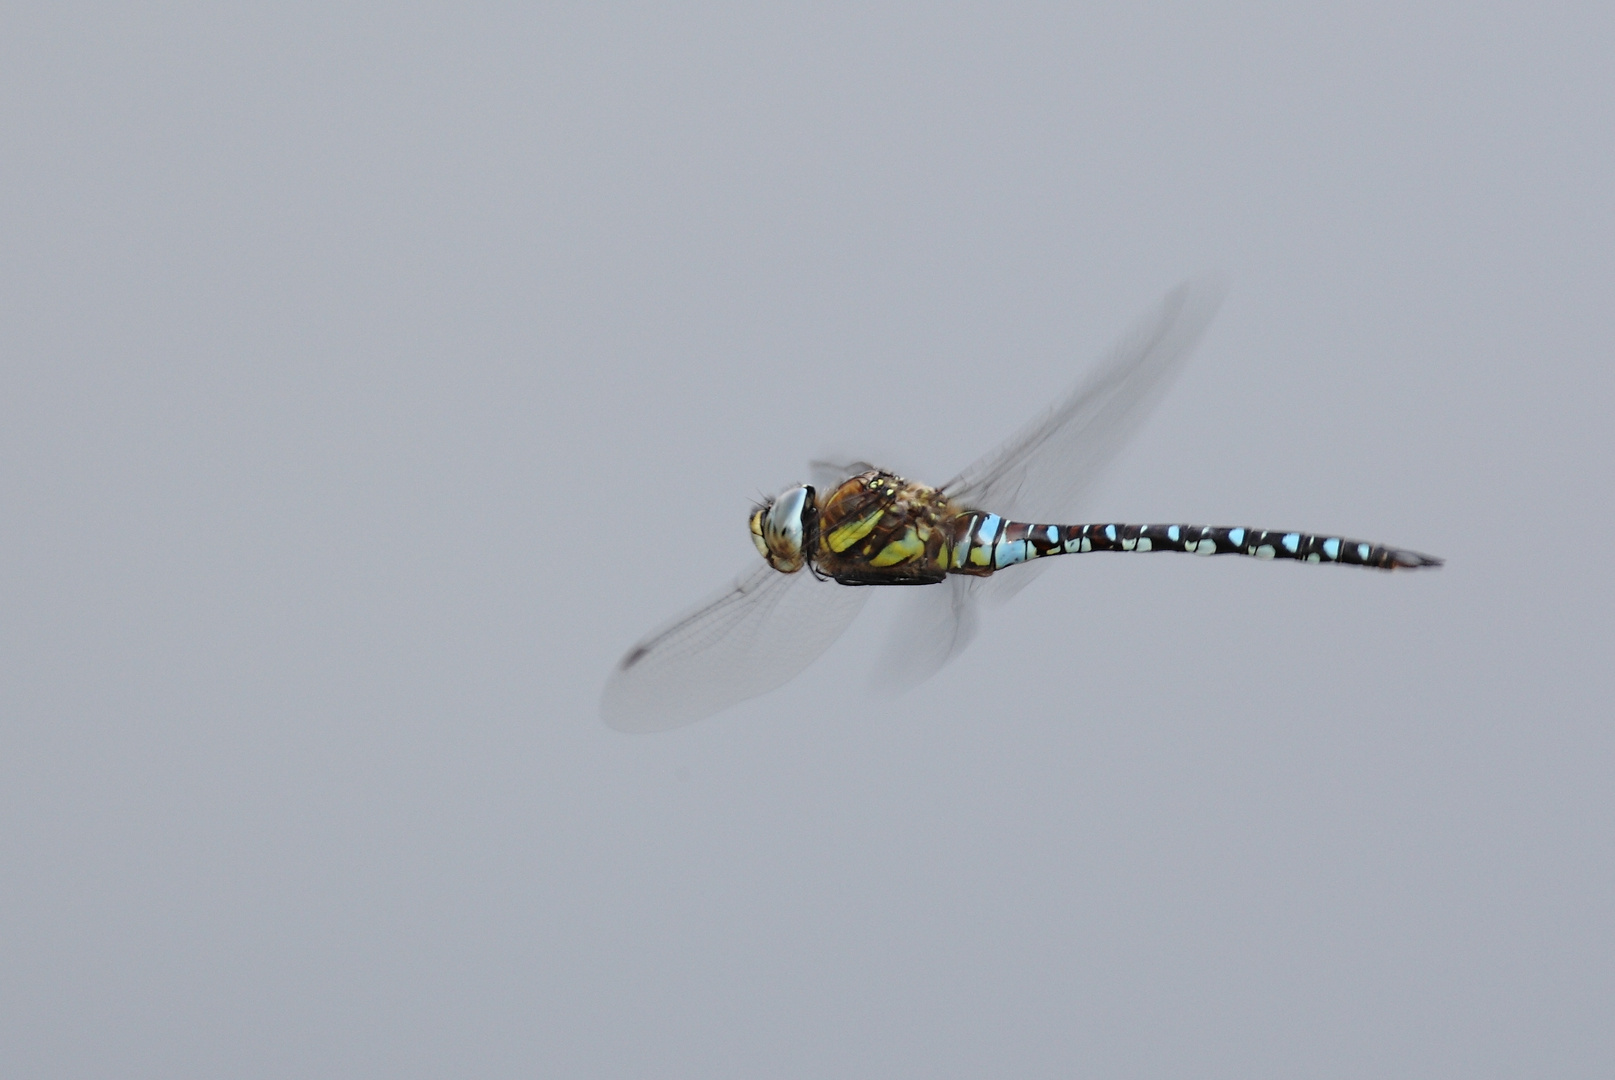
(371, 378)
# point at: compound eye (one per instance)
(786, 517)
(784, 530)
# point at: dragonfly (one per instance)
(981, 535)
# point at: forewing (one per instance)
(826, 476)
(754, 637)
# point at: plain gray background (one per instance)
(373, 377)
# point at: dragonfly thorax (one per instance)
(785, 528)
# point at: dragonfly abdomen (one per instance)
(985, 542)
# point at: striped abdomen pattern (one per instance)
(984, 542)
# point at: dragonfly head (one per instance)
(786, 528)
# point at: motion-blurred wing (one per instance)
(826, 476)
(1041, 473)
(934, 625)
(753, 638)
(1045, 469)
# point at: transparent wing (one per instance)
(1041, 473)
(754, 637)
(935, 624)
(826, 476)
(1045, 469)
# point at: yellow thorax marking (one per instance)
(853, 531)
(909, 547)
